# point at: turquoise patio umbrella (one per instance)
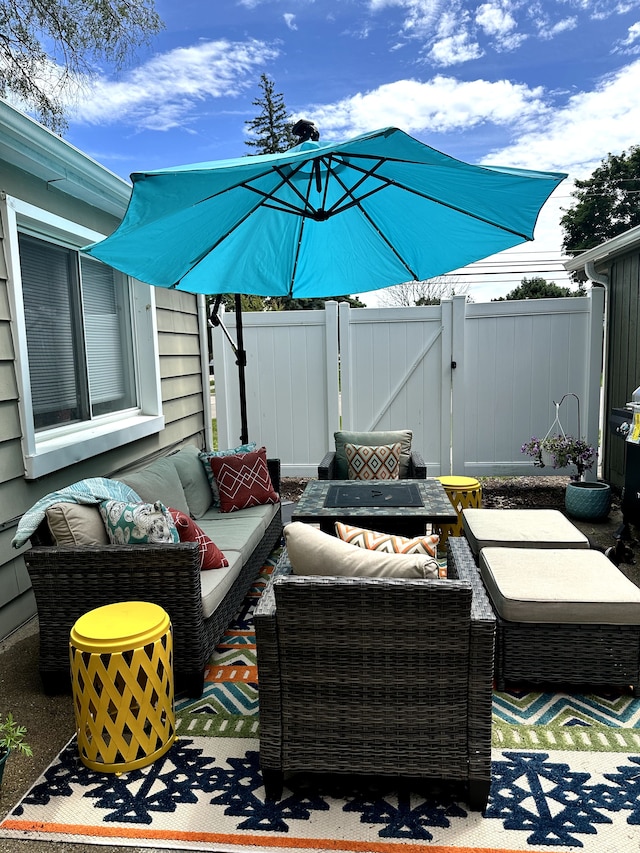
(321, 220)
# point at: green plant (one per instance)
(564, 450)
(12, 736)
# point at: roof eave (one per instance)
(600, 255)
(28, 145)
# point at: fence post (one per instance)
(333, 369)
(593, 377)
(457, 379)
(346, 367)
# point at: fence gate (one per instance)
(473, 381)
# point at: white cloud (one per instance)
(548, 31)
(439, 105)
(576, 137)
(452, 50)
(495, 20)
(290, 21)
(163, 92)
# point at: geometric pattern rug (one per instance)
(565, 777)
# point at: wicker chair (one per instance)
(341, 693)
(328, 467)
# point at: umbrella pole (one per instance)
(241, 361)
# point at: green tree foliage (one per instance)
(285, 303)
(607, 203)
(539, 288)
(271, 128)
(46, 43)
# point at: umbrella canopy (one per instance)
(322, 220)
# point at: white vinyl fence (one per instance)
(473, 381)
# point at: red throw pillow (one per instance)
(211, 557)
(243, 480)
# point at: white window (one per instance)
(86, 344)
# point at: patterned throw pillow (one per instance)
(375, 462)
(207, 456)
(211, 557)
(138, 524)
(374, 541)
(243, 480)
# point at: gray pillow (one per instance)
(158, 481)
(193, 478)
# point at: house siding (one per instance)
(623, 353)
(183, 400)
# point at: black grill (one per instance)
(620, 424)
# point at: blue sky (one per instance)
(545, 85)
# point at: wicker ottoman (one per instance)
(564, 616)
(520, 528)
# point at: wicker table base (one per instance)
(571, 654)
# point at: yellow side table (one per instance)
(122, 681)
(463, 492)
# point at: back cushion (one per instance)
(193, 478)
(343, 437)
(158, 481)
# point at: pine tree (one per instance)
(271, 129)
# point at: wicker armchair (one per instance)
(329, 467)
(340, 692)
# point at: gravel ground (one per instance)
(49, 719)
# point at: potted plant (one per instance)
(11, 738)
(584, 500)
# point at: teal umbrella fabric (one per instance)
(322, 220)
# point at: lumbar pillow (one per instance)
(211, 557)
(207, 455)
(243, 480)
(76, 524)
(342, 437)
(138, 524)
(376, 462)
(374, 541)
(313, 552)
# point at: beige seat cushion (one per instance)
(520, 528)
(559, 585)
(312, 552)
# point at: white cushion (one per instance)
(520, 528)
(215, 585)
(312, 552)
(559, 585)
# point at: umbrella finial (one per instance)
(305, 130)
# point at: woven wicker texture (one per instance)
(69, 581)
(339, 694)
(559, 654)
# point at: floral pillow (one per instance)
(138, 524)
(207, 455)
(244, 480)
(211, 557)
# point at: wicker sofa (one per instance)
(69, 580)
(372, 703)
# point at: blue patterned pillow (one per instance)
(138, 524)
(206, 457)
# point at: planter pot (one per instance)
(588, 501)
(547, 458)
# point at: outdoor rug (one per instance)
(565, 777)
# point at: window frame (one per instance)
(50, 450)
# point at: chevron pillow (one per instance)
(375, 541)
(243, 480)
(373, 462)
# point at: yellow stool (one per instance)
(122, 681)
(463, 492)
